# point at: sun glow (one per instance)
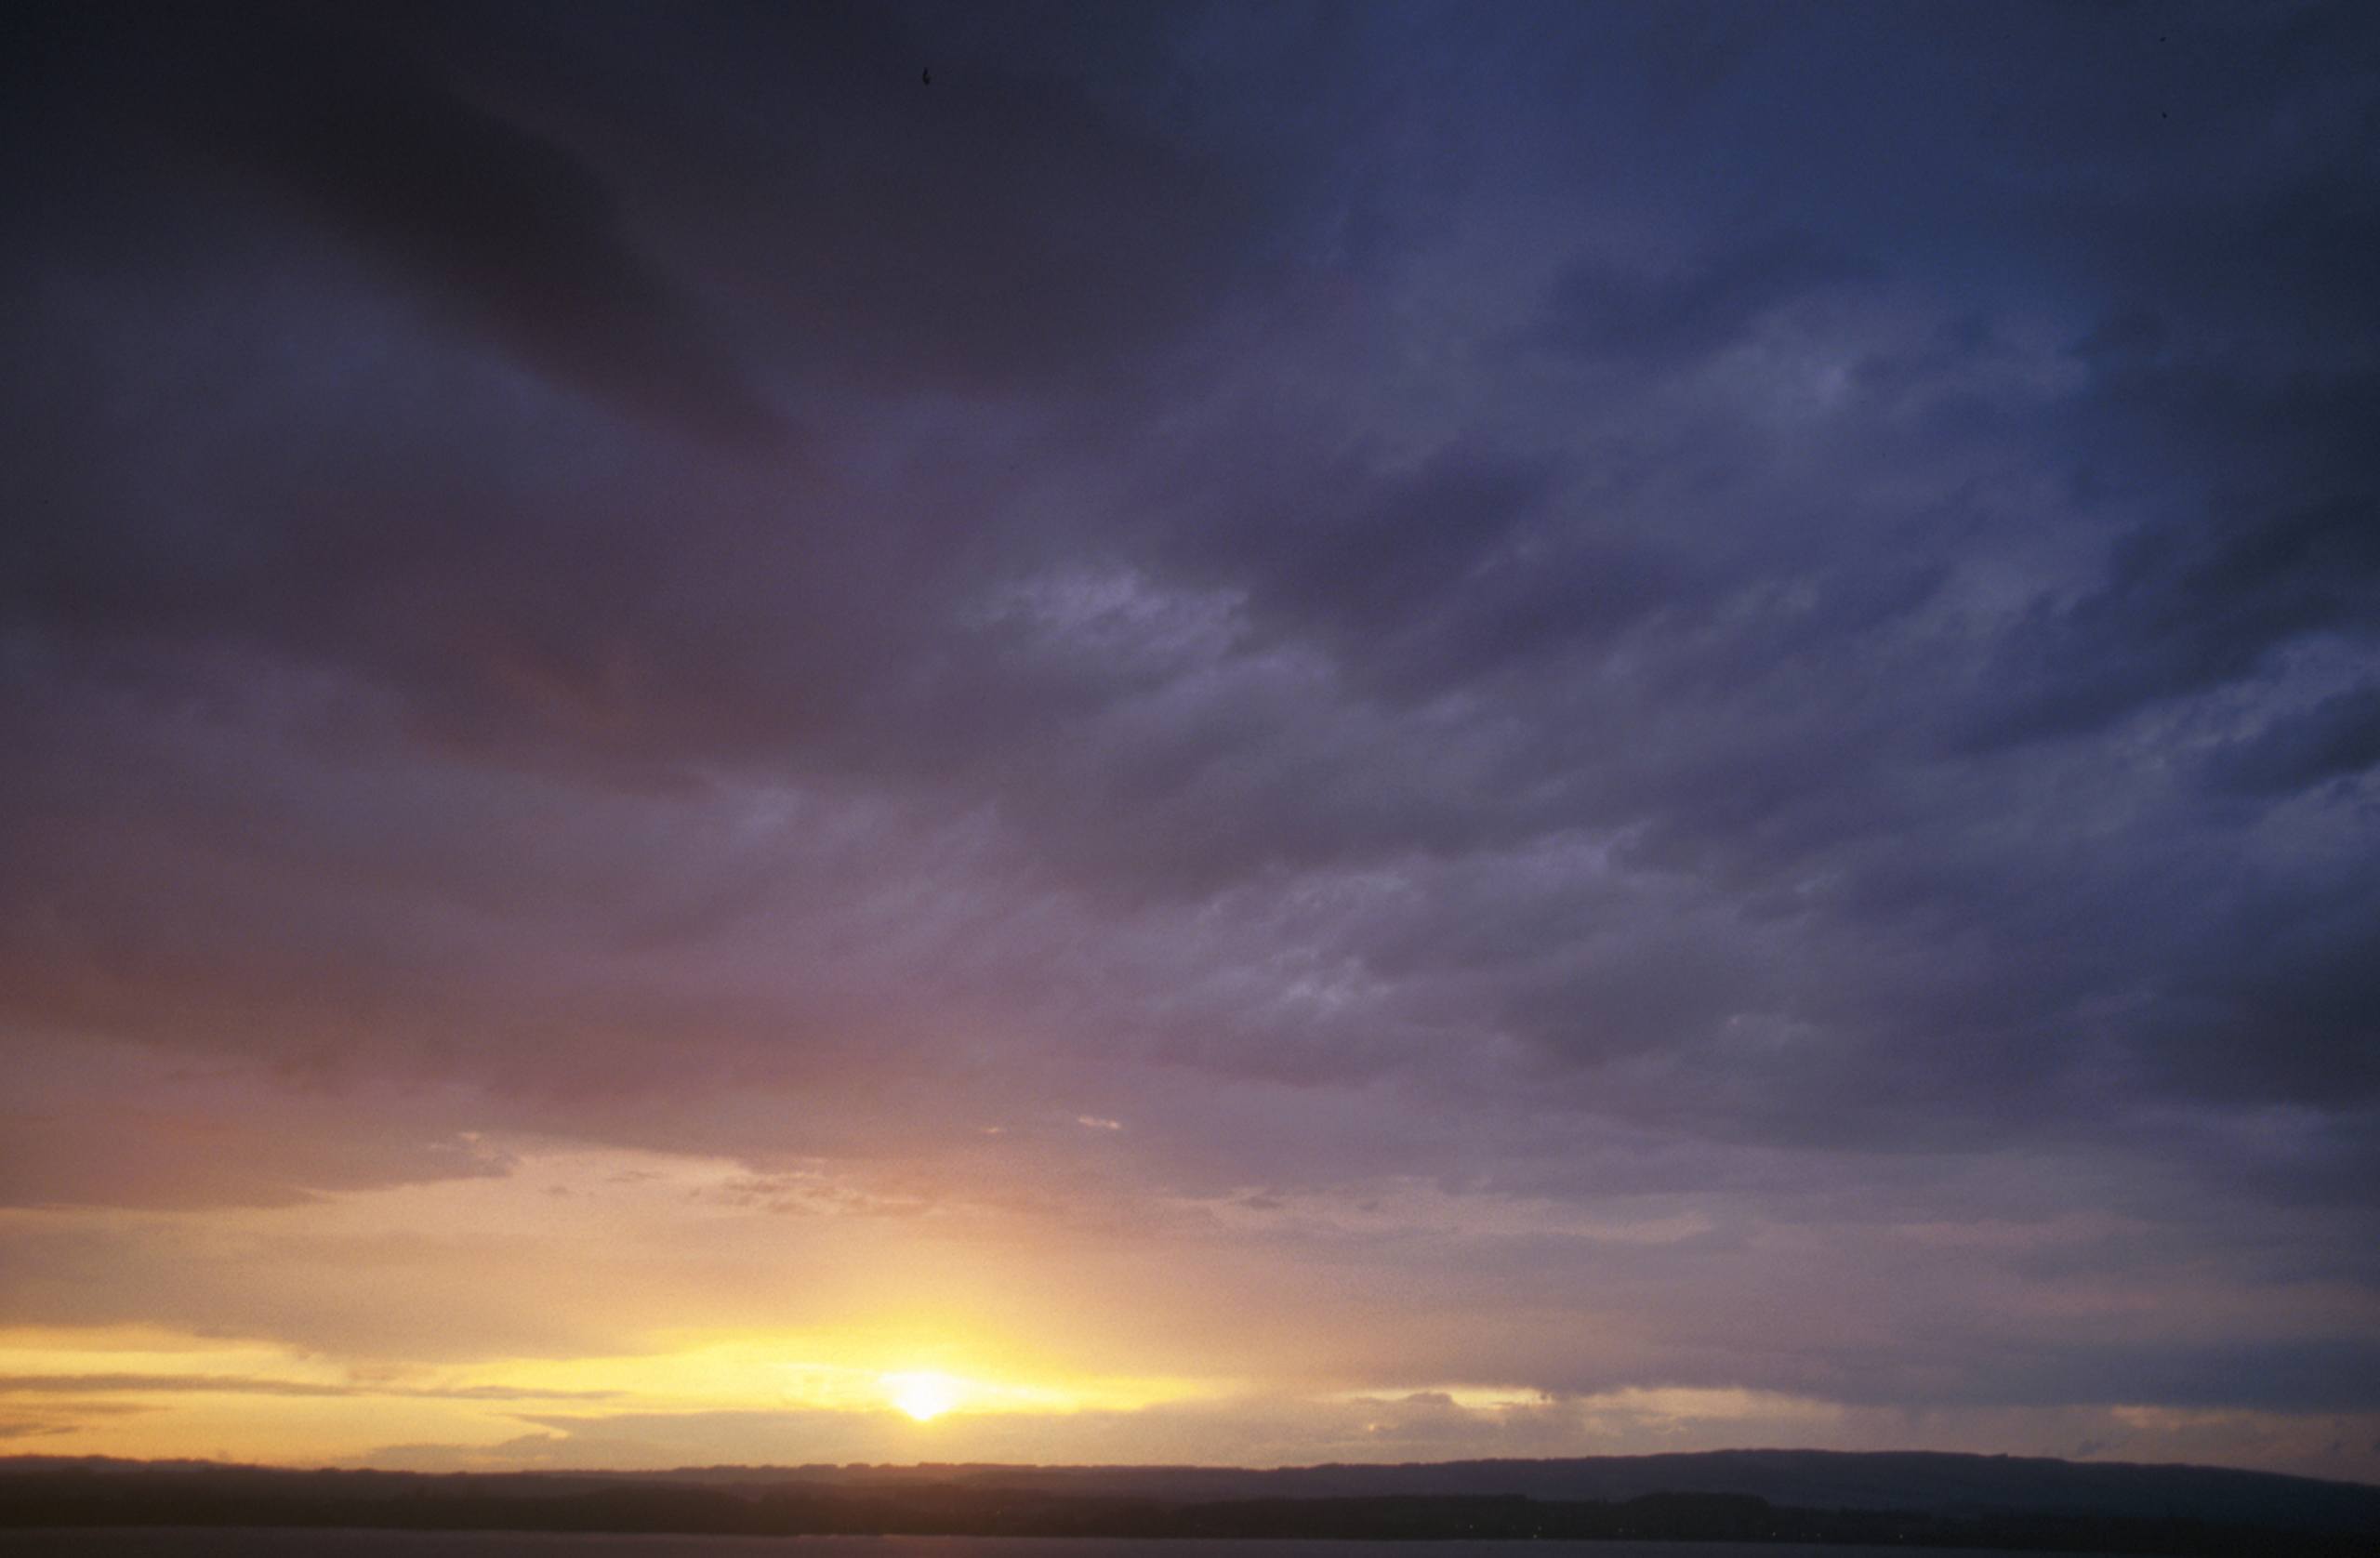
(923, 1397)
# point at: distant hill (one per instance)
(1935, 1482)
(1906, 1498)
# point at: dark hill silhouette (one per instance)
(1935, 1482)
(1908, 1498)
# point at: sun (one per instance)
(923, 1397)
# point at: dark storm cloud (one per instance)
(2337, 738)
(842, 233)
(507, 233)
(501, 233)
(609, 557)
(1662, 316)
(1014, 231)
(2181, 612)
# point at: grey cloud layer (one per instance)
(1734, 600)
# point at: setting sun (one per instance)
(923, 1397)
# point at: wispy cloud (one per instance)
(1323, 703)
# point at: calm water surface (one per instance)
(177, 1543)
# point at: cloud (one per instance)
(1676, 318)
(2336, 738)
(29, 1428)
(2181, 613)
(1742, 636)
(221, 1384)
(502, 234)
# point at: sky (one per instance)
(1254, 735)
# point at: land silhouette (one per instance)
(1912, 1499)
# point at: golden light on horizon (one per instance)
(923, 1396)
(863, 1369)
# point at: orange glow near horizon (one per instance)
(142, 1392)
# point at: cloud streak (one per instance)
(1129, 663)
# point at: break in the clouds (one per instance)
(1287, 734)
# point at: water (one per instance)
(178, 1542)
